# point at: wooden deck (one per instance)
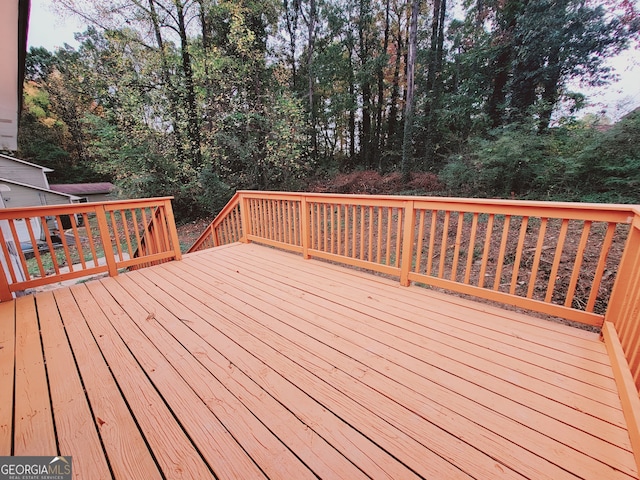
(247, 362)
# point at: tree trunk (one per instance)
(407, 153)
(166, 78)
(549, 93)
(352, 111)
(497, 99)
(206, 49)
(379, 139)
(291, 19)
(311, 24)
(364, 27)
(392, 141)
(434, 81)
(193, 124)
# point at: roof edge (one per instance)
(24, 162)
(6, 180)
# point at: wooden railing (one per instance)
(225, 228)
(624, 309)
(580, 262)
(156, 238)
(83, 239)
(555, 258)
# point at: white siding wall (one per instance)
(20, 196)
(21, 173)
(9, 77)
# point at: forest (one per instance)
(198, 98)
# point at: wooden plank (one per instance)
(376, 267)
(195, 396)
(75, 426)
(425, 336)
(5, 294)
(496, 339)
(485, 251)
(387, 435)
(551, 309)
(203, 436)
(245, 403)
(471, 249)
(16, 241)
(535, 330)
(614, 456)
(443, 243)
(273, 243)
(422, 420)
(456, 252)
(602, 259)
(33, 424)
(7, 368)
(127, 452)
(556, 261)
(172, 449)
(418, 255)
(37, 282)
(555, 331)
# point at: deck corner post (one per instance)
(245, 219)
(5, 291)
(173, 231)
(305, 228)
(623, 287)
(407, 242)
(105, 238)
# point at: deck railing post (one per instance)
(105, 238)
(407, 242)
(622, 287)
(5, 292)
(305, 227)
(245, 219)
(214, 236)
(173, 231)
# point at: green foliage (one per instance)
(196, 99)
(610, 165)
(574, 163)
(264, 150)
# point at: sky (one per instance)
(48, 29)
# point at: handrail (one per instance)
(151, 241)
(102, 238)
(211, 236)
(522, 253)
(624, 309)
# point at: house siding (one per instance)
(20, 196)
(23, 173)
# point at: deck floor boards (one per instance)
(249, 362)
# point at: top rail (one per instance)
(43, 245)
(218, 234)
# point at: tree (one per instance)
(407, 161)
(535, 48)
